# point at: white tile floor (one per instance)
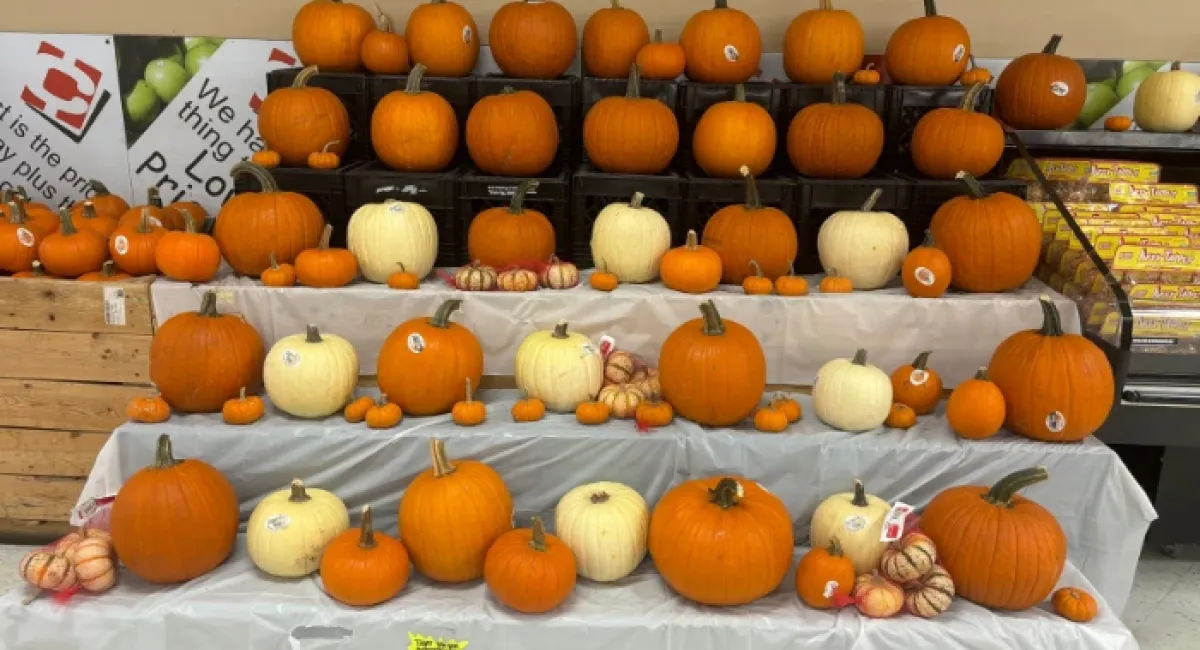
(1163, 611)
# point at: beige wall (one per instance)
(1117, 29)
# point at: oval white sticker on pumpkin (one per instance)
(121, 244)
(924, 276)
(855, 523)
(291, 358)
(731, 53)
(154, 221)
(1056, 422)
(1059, 88)
(278, 522)
(960, 51)
(467, 34)
(26, 238)
(416, 343)
(831, 588)
(918, 377)
(589, 349)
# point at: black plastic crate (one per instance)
(703, 196)
(374, 182)
(695, 98)
(595, 88)
(929, 195)
(552, 197)
(562, 94)
(593, 190)
(326, 188)
(351, 88)
(459, 92)
(906, 105)
(818, 198)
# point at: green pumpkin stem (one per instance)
(265, 180)
(928, 241)
(1051, 320)
(982, 374)
(1002, 493)
(299, 495)
(712, 319)
(725, 494)
(658, 36)
(208, 304)
(632, 90)
(537, 538)
(839, 88)
(413, 85)
(860, 494)
(367, 539)
(753, 200)
(68, 226)
(930, 8)
(970, 97)
(1052, 45)
(441, 466)
(720, 4)
(516, 206)
(441, 317)
(636, 201)
(616, 4)
(16, 213)
(973, 187)
(835, 547)
(869, 204)
(922, 360)
(305, 75)
(164, 458)
(312, 334)
(860, 357)
(739, 93)
(98, 188)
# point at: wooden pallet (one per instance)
(72, 354)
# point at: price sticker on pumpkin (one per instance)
(893, 524)
(731, 53)
(1059, 88)
(855, 523)
(960, 51)
(918, 377)
(121, 244)
(291, 358)
(467, 34)
(416, 343)
(422, 642)
(924, 276)
(26, 238)
(831, 588)
(278, 522)
(1056, 422)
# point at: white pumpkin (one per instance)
(311, 375)
(629, 240)
(1168, 102)
(867, 247)
(851, 394)
(289, 529)
(605, 525)
(384, 235)
(561, 368)
(856, 519)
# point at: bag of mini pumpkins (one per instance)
(83, 560)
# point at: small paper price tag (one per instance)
(114, 306)
(893, 524)
(91, 506)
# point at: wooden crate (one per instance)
(74, 353)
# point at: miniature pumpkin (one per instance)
(917, 386)
(468, 412)
(266, 159)
(1118, 123)
(824, 574)
(71, 253)
(646, 380)
(612, 37)
(691, 268)
(289, 529)
(530, 570)
(442, 36)
(244, 409)
(133, 247)
(742, 234)
(18, 241)
(820, 42)
(171, 219)
(835, 139)
(856, 519)
(560, 368)
(48, 571)
(931, 595)
(356, 411)
(384, 51)
(622, 400)
(1074, 604)
(949, 140)
(1166, 101)
(619, 367)
(835, 283)
(188, 255)
(311, 375)
(901, 416)
(514, 133)
(866, 246)
(745, 530)
(976, 408)
(475, 277)
(528, 409)
(383, 414)
(253, 225)
(791, 284)
(1041, 91)
(94, 562)
(868, 76)
(362, 567)
(652, 413)
(721, 45)
(757, 284)
(926, 271)
(106, 203)
(324, 266)
(790, 407)
(908, 559)
(414, 130)
(602, 280)
(324, 159)
(975, 74)
(402, 280)
(734, 134)
(85, 217)
(592, 412)
(151, 410)
(329, 34)
(278, 275)
(605, 526)
(517, 280)
(1057, 387)
(107, 273)
(993, 241)
(512, 236)
(712, 371)
(533, 39)
(629, 240)
(302, 119)
(659, 60)
(201, 359)
(852, 395)
(174, 520)
(382, 236)
(630, 134)
(450, 516)
(559, 275)
(1002, 550)
(770, 419)
(931, 50)
(876, 596)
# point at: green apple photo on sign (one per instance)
(152, 70)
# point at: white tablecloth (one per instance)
(1101, 507)
(797, 334)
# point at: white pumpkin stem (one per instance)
(869, 204)
(413, 85)
(441, 466)
(266, 181)
(299, 495)
(971, 97)
(468, 390)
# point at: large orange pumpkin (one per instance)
(414, 130)
(931, 50)
(450, 516)
(530, 570)
(1003, 550)
(533, 39)
(993, 242)
(721, 541)
(712, 371)
(732, 134)
(201, 359)
(301, 120)
(442, 36)
(722, 45)
(174, 520)
(835, 140)
(951, 140)
(425, 363)
(329, 34)
(1041, 91)
(611, 39)
(1057, 387)
(820, 42)
(752, 232)
(505, 237)
(630, 134)
(514, 133)
(253, 225)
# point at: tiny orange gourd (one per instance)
(823, 574)
(469, 412)
(691, 268)
(278, 275)
(383, 414)
(243, 409)
(383, 50)
(1074, 604)
(325, 159)
(757, 285)
(530, 570)
(868, 76)
(653, 413)
(362, 567)
(592, 412)
(901, 417)
(770, 419)
(789, 406)
(150, 410)
(528, 409)
(659, 60)
(188, 255)
(834, 283)
(403, 280)
(791, 284)
(326, 267)
(267, 158)
(356, 411)
(917, 386)
(926, 271)
(602, 280)
(1118, 123)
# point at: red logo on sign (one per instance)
(69, 96)
(276, 56)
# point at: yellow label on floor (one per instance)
(422, 642)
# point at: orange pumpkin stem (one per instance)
(1052, 46)
(441, 317)
(632, 89)
(265, 180)
(922, 360)
(971, 97)
(1003, 492)
(305, 75)
(973, 187)
(441, 466)
(860, 357)
(869, 204)
(208, 304)
(725, 494)
(68, 228)
(299, 495)
(537, 540)
(1051, 320)
(413, 85)
(839, 88)
(712, 319)
(860, 494)
(164, 458)
(367, 539)
(516, 206)
(312, 334)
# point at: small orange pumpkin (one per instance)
(868, 76)
(740, 233)
(653, 413)
(835, 139)
(1043, 90)
(278, 275)
(630, 134)
(917, 386)
(414, 130)
(243, 409)
(926, 271)
(530, 570)
(133, 247)
(975, 74)
(329, 34)
(442, 36)
(528, 409)
(383, 414)
(267, 158)
(356, 411)
(85, 217)
(592, 412)
(757, 285)
(513, 235)
(602, 280)
(324, 266)
(976, 409)
(691, 268)
(834, 283)
(901, 417)
(301, 119)
(770, 419)
(469, 412)
(514, 133)
(947, 141)
(325, 159)
(150, 410)
(822, 41)
(1074, 604)
(659, 60)
(383, 50)
(362, 567)
(931, 50)
(1118, 123)
(734, 134)
(612, 38)
(71, 253)
(823, 575)
(722, 45)
(18, 241)
(789, 406)
(533, 39)
(403, 280)
(188, 256)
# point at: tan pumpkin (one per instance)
(622, 400)
(931, 595)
